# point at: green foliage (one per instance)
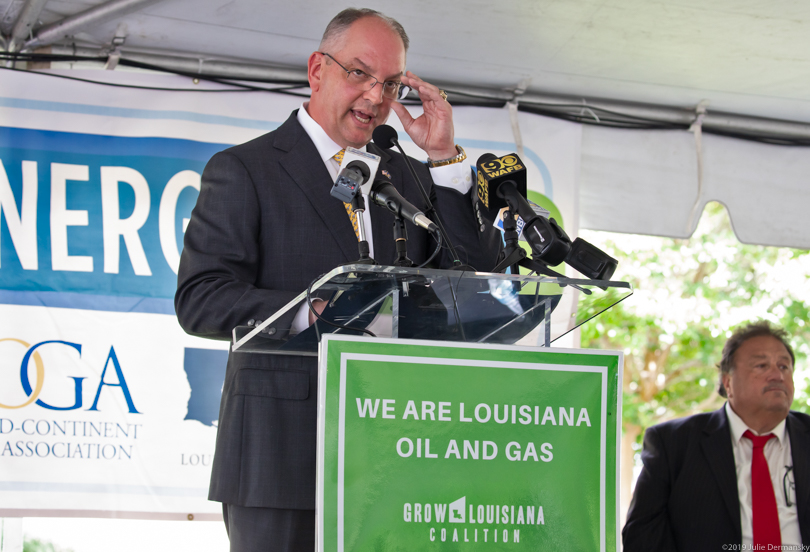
(689, 295)
(36, 545)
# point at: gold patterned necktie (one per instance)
(352, 215)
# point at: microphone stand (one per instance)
(513, 253)
(431, 211)
(515, 256)
(359, 207)
(401, 242)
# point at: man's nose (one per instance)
(375, 94)
(775, 372)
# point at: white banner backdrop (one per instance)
(107, 408)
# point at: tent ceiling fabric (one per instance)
(750, 57)
(646, 182)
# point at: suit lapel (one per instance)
(716, 445)
(800, 447)
(302, 163)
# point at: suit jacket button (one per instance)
(251, 322)
(271, 331)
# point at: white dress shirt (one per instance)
(456, 176)
(780, 465)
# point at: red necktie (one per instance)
(763, 500)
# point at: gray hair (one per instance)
(743, 334)
(342, 21)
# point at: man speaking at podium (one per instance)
(265, 226)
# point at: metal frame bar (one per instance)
(74, 23)
(244, 69)
(26, 20)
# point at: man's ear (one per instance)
(314, 68)
(727, 383)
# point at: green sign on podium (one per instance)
(449, 446)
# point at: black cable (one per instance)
(592, 115)
(772, 140)
(324, 320)
(662, 125)
(291, 84)
(435, 251)
(430, 209)
(139, 87)
(631, 122)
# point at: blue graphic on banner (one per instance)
(95, 232)
(205, 369)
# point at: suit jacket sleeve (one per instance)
(220, 262)
(477, 242)
(648, 521)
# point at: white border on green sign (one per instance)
(322, 373)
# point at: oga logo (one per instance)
(33, 391)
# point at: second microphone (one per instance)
(385, 194)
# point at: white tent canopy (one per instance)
(751, 59)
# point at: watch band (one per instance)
(462, 155)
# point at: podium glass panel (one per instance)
(430, 304)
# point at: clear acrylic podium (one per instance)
(431, 304)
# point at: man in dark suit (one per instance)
(705, 485)
(265, 226)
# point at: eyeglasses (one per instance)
(789, 486)
(363, 81)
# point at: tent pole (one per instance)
(26, 20)
(75, 23)
(685, 116)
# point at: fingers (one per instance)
(432, 131)
(427, 91)
(403, 114)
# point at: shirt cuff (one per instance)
(301, 320)
(457, 176)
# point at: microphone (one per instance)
(493, 172)
(501, 182)
(355, 171)
(383, 193)
(385, 137)
(349, 181)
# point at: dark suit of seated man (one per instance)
(698, 489)
(265, 226)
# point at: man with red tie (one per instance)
(736, 476)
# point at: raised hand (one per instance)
(433, 130)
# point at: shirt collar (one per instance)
(738, 426)
(326, 147)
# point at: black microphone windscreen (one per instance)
(384, 136)
(361, 167)
(485, 158)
